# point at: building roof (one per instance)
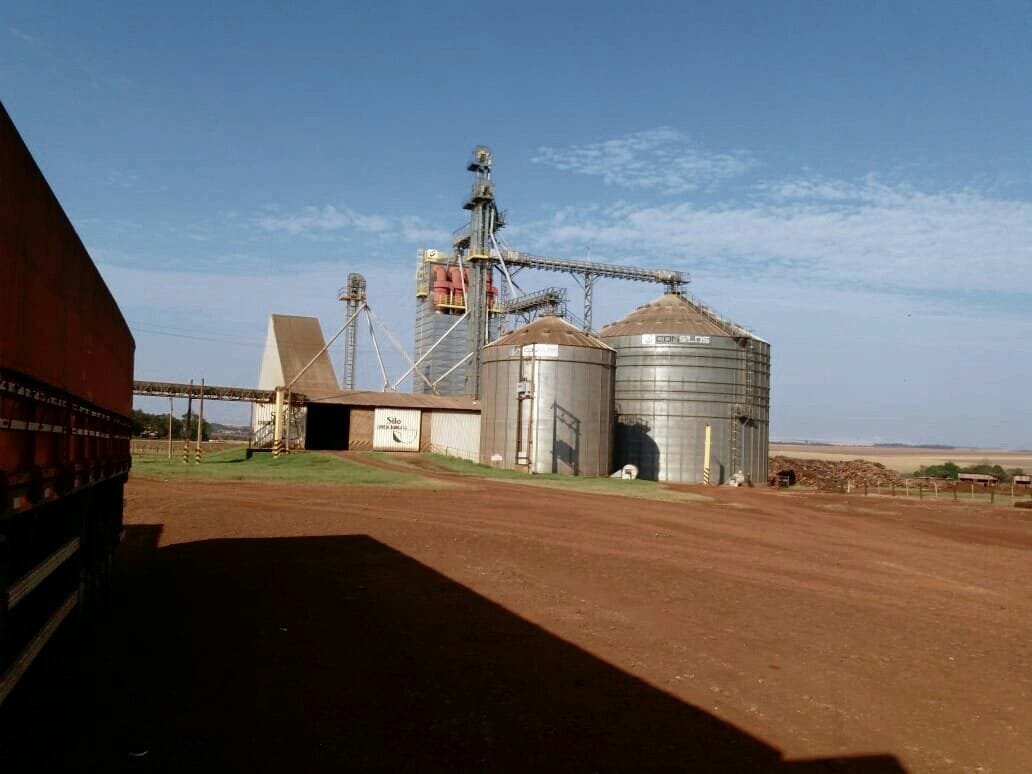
(550, 329)
(290, 345)
(399, 400)
(670, 313)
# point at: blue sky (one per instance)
(850, 180)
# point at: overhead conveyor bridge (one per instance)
(211, 392)
(674, 280)
(586, 272)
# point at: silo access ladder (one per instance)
(744, 408)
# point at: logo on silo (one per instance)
(651, 339)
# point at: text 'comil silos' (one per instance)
(547, 400)
(679, 368)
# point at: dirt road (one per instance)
(505, 627)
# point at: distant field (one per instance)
(906, 460)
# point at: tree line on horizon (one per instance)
(951, 470)
(156, 426)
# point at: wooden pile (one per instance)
(829, 474)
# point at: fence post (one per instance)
(865, 489)
(955, 485)
(892, 491)
(992, 495)
(972, 490)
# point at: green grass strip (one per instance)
(306, 468)
(646, 490)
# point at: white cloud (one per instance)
(416, 230)
(328, 219)
(122, 179)
(818, 231)
(663, 159)
(22, 35)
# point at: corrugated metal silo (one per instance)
(679, 368)
(547, 400)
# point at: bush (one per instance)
(946, 470)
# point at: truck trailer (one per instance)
(66, 382)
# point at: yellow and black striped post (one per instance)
(186, 427)
(706, 457)
(200, 426)
(277, 425)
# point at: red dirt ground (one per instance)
(506, 627)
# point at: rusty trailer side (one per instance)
(66, 377)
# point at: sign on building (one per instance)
(536, 350)
(396, 429)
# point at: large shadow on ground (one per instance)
(341, 654)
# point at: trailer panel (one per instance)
(66, 381)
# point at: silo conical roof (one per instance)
(549, 329)
(671, 313)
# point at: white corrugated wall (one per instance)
(455, 433)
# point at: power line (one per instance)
(178, 335)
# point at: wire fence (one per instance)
(449, 451)
(152, 449)
(941, 490)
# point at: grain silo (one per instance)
(679, 368)
(547, 400)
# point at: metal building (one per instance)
(679, 368)
(398, 421)
(547, 400)
(442, 320)
(290, 344)
(459, 300)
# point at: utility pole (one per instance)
(170, 410)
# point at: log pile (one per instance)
(830, 474)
